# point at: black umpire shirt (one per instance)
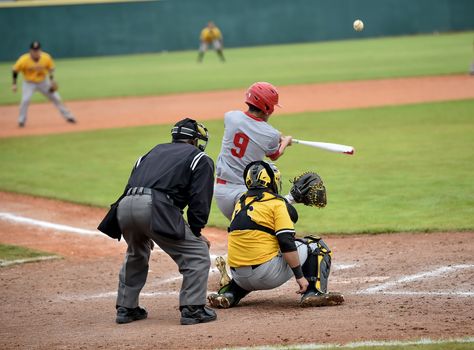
(184, 173)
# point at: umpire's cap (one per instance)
(189, 129)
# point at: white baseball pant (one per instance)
(27, 92)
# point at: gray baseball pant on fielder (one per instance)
(271, 274)
(191, 255)
(27, 92)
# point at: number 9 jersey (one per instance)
(246, 139)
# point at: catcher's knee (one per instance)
(317, 266)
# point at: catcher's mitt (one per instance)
(308, 188)
(53, 87)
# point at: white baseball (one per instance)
(358, 25)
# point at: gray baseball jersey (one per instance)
(246, 139)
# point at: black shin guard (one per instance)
(317, 266)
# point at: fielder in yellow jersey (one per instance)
(253, 238)
(263, 252)
(37, 68)
(211, 35)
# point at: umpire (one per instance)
(163, 182)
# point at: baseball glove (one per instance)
(53, 87)
(308, 188)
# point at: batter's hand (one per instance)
(303, 284)
(286, 139)
(14, 87)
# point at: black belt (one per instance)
(138, 190)
(252, 266)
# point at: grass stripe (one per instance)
(366, 344)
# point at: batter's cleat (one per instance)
(221, 266)
(71, 120)
(21, 124)
(312, 298)
(127, 315)
(221, 301)
(197, 314)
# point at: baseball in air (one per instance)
(358, 25)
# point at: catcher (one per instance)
(263, 252)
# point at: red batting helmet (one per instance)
(262, 95)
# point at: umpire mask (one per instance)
(189, 129)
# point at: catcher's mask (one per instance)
(262, 175)
(189, 129)
(262, 95)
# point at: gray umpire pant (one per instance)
(271, 274)
(191, 255)
(27, 92)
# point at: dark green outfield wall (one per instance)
(151, 26)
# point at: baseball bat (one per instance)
(333, 147)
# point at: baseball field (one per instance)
(399, 216)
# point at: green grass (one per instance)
(12, 252)
(412, 170)
(448, 345)
(177, 72)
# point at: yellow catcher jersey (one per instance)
(252, 239)
(33, 71)
(209, 35)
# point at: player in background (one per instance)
(211, 35)
(37, 68)
(247, 137)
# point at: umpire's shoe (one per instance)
(191, 314)
(313, 298)
(127, 315)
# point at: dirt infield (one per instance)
(397, 286)
(123, 112)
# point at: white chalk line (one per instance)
(343, 266)
(354, 280)
(144, 294)
(372, 290)
(354, 345)
(419, 276)
(429, 293)
(158, 283)
(4, 263)
(49, 225)
(65, 228)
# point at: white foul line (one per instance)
(4, 263)
(418, 276)
(49, 225)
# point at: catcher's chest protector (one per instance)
(242, 221)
